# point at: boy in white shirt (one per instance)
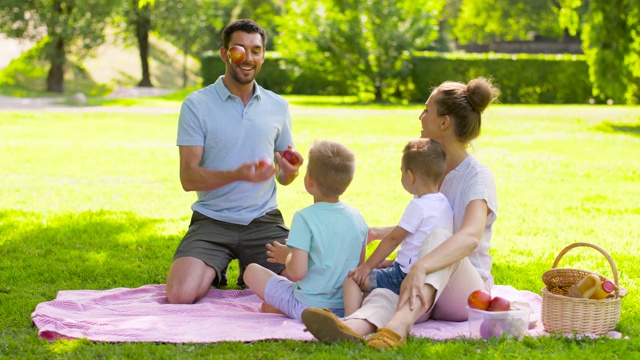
(423, 168)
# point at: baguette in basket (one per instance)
(565, 314)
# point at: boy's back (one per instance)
(333, 234)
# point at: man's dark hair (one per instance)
(244, 25)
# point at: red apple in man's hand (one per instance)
(262, 163)
(499, 304)
(290, 155)
(479, 299)
(236, 54)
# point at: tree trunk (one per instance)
(143, 24)
(184, 71)
(55, 78)
(378, 89)
(56, 53)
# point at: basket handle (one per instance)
(606, 255)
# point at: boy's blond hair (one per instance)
(425, 158)
(332, 166)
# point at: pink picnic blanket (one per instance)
(143, 315)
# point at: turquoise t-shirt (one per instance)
(231, 135)
(333, 234)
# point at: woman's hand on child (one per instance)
(277, 253)
(413, 287)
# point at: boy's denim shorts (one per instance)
(387, 278)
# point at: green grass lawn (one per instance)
(93, 201)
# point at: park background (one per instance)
(91, 198)
(382, 51)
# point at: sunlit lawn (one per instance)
(93, 201)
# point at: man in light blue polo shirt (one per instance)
(229, 136)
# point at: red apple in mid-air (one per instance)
(290, 155)
(499, 304)
(236, 54)
(479, 299)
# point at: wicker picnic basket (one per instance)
(565, 314)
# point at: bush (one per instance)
(522, 78)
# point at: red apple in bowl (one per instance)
(290, 155)
(499, 304)
(236, 54)
(479, 299)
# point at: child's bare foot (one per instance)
(266, 308)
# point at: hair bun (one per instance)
(480, 93)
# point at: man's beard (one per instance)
(235, 74)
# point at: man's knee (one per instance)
(178, 295)
(188, 281)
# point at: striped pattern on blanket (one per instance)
(143, 315)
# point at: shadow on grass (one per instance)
(612, 128)
(88, 250)
(92, 250)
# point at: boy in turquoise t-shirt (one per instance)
(326, 241)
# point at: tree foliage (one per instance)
(196, 26)
(357, 46)
(69, 27)
(611, 42)
(363, 43)
(483, 21)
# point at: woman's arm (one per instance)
(457, 247)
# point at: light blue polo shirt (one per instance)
(231, 135)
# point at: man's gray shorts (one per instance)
(216, 243)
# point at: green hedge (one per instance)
(522, 78)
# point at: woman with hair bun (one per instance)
(439, 283)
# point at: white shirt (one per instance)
(469, 181)
(421, 217)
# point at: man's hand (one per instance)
(255, 172)
(288, 172)
(277, 253)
